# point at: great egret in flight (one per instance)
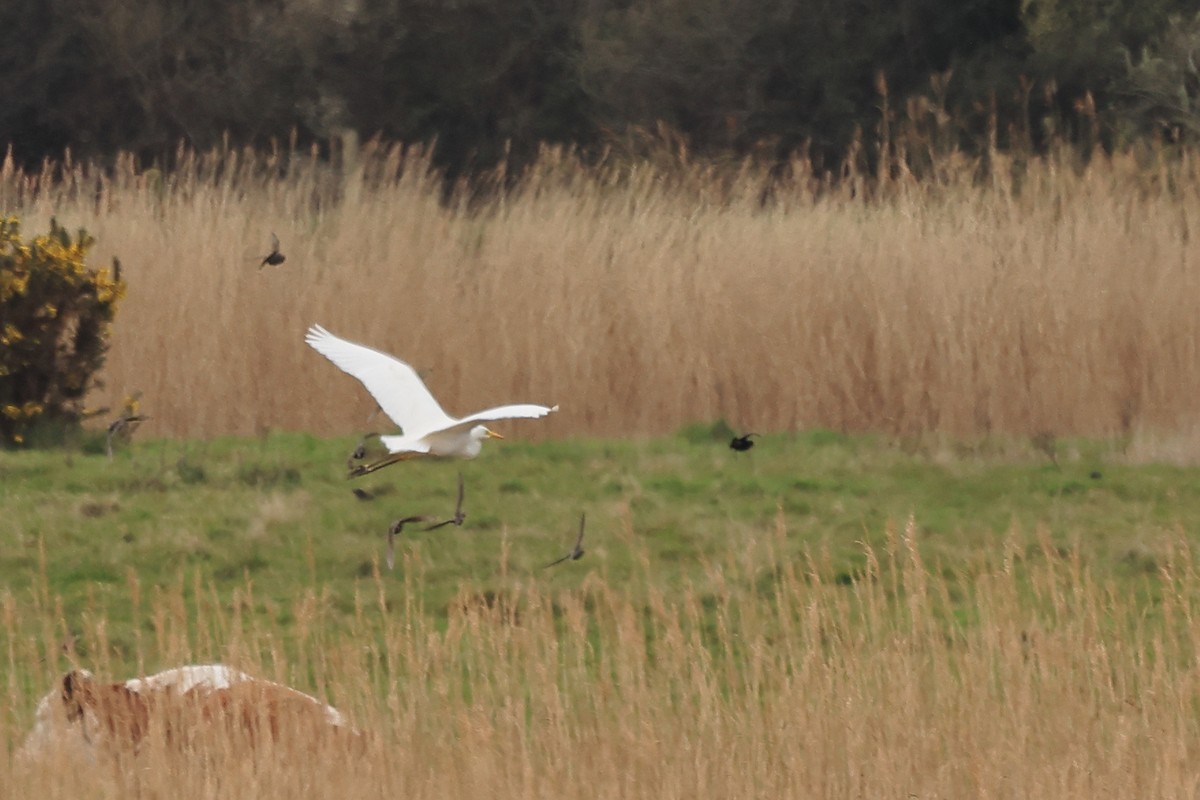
(400, 392)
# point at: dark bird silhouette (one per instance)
(393, 531)
(576, 552)
(373, 493)
(122, 428)
(274, 258)
(358, 454)
(742, 443)
(1046, 443)
(459, 517)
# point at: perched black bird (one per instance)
(274, 258)
(576, 552)
(742, 443)
(395, 529)
(459, 517)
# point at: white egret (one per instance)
(427, 430)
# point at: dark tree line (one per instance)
(485, 78)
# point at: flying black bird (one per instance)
(576, 552)
(742, 443)
(459, 517)
(372, 493)
(358, 453)
(274, 258)
(395, 529)
(122, 428)
(1046, 443)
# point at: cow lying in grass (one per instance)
(187, 708)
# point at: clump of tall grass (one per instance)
(1035, 681)
(1057, 296)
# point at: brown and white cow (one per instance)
(186, 707)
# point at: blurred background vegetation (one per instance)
(489, 80)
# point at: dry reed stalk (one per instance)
(641, 298)
(1054, 686)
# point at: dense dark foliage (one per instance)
(485, 78)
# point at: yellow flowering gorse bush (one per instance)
(55, 314)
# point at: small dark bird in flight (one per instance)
(459, 517)
(274, 258)
(393, 531)
(742, 443)
(576, 552)
(373, 493)
(1046, 443)
(358, 453)
(122, 428)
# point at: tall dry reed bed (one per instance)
(1037, 682)
(642, 297)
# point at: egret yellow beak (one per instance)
(492, 434)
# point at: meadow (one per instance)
(960, 561)
(825, 615)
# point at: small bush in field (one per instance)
(55, 314)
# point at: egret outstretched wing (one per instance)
(400, 392)
(395, 385)
(518, 411)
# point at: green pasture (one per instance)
(277, 516)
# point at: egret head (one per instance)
(481, 432)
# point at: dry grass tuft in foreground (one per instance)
(644, 297)
(1038, 683)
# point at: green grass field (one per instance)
(279, 513)
(840, 615)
